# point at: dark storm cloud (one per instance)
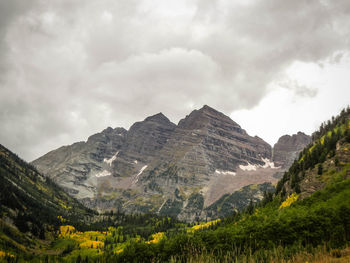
(75, 67)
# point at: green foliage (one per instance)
(322, 218)
(325, 127)
(324, 146)
(295, 181)
(34, 204)
(230, 203)
(171, 207)
(37, 199)
(297, 188)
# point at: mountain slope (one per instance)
(308, 218)
(325, 156)
(206, 149)
(77, 167)
(31, 205)
(164, 168)
(303, 222)
(284, 153)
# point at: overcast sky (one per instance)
(70, 68)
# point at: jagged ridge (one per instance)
(158, 166)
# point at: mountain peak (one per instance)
(294, 139)
(159, 118)
(302, 134)
(108, 130)
(208, 109)
(288, 147)
(200, 118)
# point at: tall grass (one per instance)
(320, 254)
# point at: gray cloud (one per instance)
(9, 10)
(300, 90)
(74, 67)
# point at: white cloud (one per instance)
(284, 111)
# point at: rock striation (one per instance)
(178, 170)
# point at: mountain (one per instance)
(325, 161)
(39, 222)
(72, 166)
(284, 153)
(31, 205)
(157, 166)
(307, 219)
(287, 148)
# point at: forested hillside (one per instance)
(31, 206)
(306, 219)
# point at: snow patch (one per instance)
(111, 160)
(253, 167)
(248, 167)
(160, 208)
(268, 163)
(138, 175)
(103, 173)
(225, 172)
(142, 169)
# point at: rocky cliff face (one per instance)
(160, 167)
(142, 144)
(77, 167)
(201, 162)
(287, 148)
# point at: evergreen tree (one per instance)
(295, 180)
(347, 138)
(283, 193)
(320, 169)
(336, 161)
(250, 208)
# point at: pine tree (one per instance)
(320, 169)
(295, 180)
(348, 136)
(250, 208)
(283, 193)
(336, 162)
